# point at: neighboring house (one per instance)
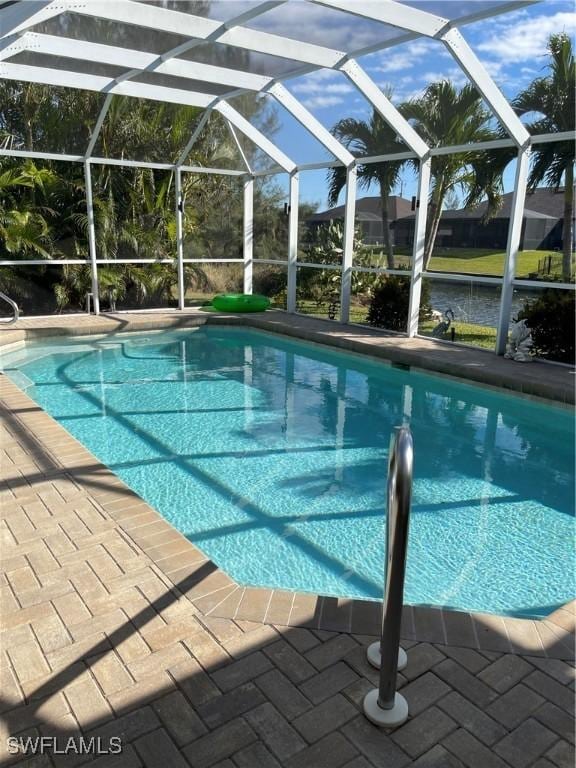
(463, 228)
(368, 216)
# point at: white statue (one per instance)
(520, 344)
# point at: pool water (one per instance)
(271, 456)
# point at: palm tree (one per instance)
(445, 116)
(552, 97)
(363, 139)
(24, 230)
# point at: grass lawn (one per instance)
(466, 333)
(481, 261)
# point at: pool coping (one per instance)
(536, 379)
(215, 593)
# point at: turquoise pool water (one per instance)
(271, 455)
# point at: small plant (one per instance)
(550, 317)
(389, 305)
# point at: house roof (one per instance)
(368, 209)
(541, 204)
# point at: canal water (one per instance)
(474, 303)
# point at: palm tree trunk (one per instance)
(434, 214)
(386, 230)
(568, 228)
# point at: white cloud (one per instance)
(321, 102)
(323, 88)
(315, 87)
(394, 62)
(454, 74)
(526, 41)
(323, 26)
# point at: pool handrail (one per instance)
(384, 706)
(15, 310)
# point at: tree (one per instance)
(552, 97)
(363, 139)
(445, 116)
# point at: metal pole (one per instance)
(512, 247)
(419, 247)
(248, 247)
(293, 202)
(384, 706)
(92, 238)
(348, 244)
(180, 237)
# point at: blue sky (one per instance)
(511, 46)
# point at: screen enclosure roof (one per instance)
(204, 53)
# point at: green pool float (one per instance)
(240, 302)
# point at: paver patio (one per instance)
(113, 625)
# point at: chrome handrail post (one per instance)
(15, 310)
(384, 706)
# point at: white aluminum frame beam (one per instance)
(21, 16)
(293, 213)
(142, 90)
(429, 25)
(139, 61)
(314, 126)
(419, 247)
(512, 247)
(478, 75)
(240, 122)
(384, 106)
(179, 237)
(238, 145)
(248, 233)
(92, 239)
(195, 134)
(69, 79)
(392, 13)
(198, 27)
(348, 244)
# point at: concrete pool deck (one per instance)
(113, 624)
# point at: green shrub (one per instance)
(550, 317)
(389, 305)
(270, 281)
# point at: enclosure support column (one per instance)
(92, 238)
(180, 237)
(293, 203)
(348, 244)
(512, 246)
(418, 247)
(248, 232)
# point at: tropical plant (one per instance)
(24, 230)
(390, 302)
(552, 98)
(444, 115)
(363, 139)
(43, 207)
(550, 318)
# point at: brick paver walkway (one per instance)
(98, 641)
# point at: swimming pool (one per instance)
(271, 456)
